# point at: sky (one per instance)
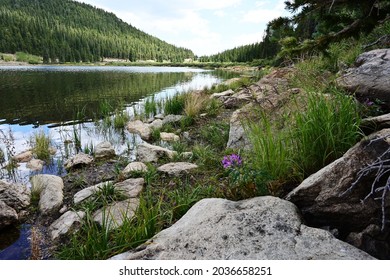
(204, 26)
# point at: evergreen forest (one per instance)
(68, 31)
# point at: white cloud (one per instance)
(246, 39)
(220, 13)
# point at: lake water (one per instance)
(64, 100)
(52, 98)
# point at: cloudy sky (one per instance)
(204, 26)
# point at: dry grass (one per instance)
(194, 104)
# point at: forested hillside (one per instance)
(68, 31)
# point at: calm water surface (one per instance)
(52, 98)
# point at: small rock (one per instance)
(169, 137)
(52, 150)
(187, 155)
(14, 195)
(78, 161)
(150, 153)
(222, 95)
(138, 127)
(159, 116)
(104, 150)
(8, 215)
(114, 215)
(177, 168)
(134, 167)
(156, 124)
(63, 209)
(131, 187)
(67, 223)
(35, 164)
(172, 119)
(88, 192)
(52, 196)
(24, 156)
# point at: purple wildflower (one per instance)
(231, 161)
(368, 103)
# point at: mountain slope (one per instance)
(64, 30)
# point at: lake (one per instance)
(53, 99)
(63, 101)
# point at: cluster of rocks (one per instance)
(32, 163)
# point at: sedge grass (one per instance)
(41, 144)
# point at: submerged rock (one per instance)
(262, 228)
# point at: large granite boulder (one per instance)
(265, 228)
(369, 79)
(51, 197)
(8, 215)
(15, 196)
(346, 194)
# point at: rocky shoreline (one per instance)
(333, 214)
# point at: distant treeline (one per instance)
(68, 31)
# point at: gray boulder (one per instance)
(113, 216)
(104, 150)
(51, 197)
(150, 153)
(327, 198)
(370, 78)
(68, 222)
(78, 161)
(262, 228)
(8, 215)
(14, 195)
(177, 168)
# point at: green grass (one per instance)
(325, 130)
(40, 145)
(216, 134)
(150, 107)
(175, 104)
(318, 133)
(121, 118)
